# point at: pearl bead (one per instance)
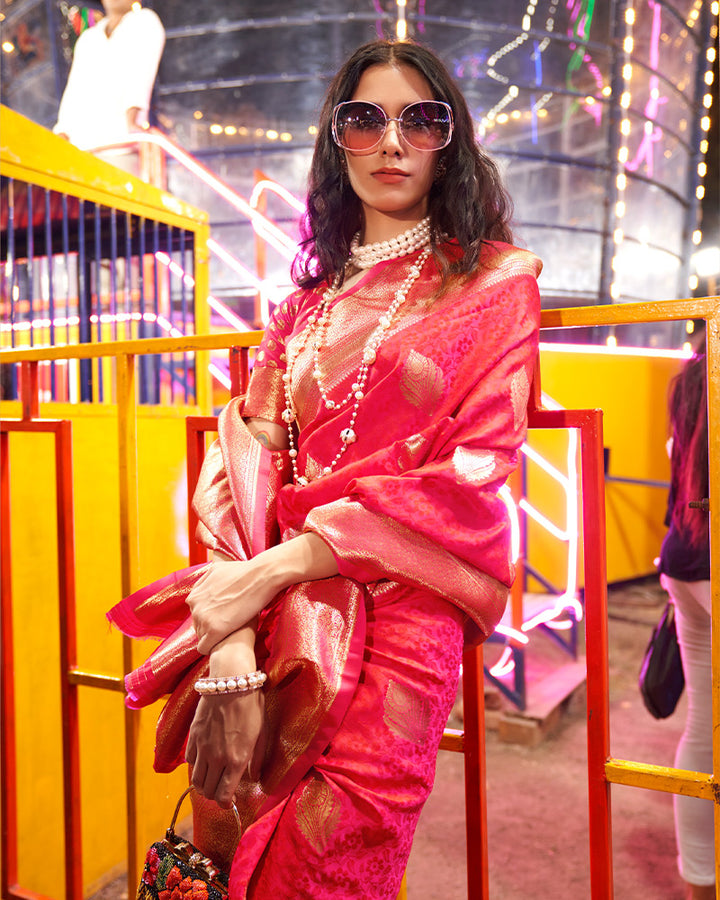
(362, 257)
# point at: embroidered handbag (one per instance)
(661, 674)
(174, 867)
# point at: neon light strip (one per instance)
(267, 185)
(237, 323)
(548, 467)
(567, 601)
(262, 225)
(233, 262)
(535, 514)
(219, 375)
(505, 665)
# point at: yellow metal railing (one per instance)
(616, 771)
(32, 157)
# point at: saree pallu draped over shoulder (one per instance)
(362, 667)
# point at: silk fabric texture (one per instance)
(362, 667)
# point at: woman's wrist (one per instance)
(235, 655)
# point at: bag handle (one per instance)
(184, 794)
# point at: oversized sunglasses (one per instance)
(360, 125)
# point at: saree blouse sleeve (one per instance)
(266, 395)
(438, 523)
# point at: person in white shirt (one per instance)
(108, 91)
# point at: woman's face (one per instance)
(393, 179)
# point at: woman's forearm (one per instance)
(303, 558)
(233, 593)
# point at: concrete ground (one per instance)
(537, 796)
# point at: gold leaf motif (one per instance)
(313, 469)
(406, 713)
(422, 382)
(415, 443)
(473, 466)
(317, 813)
(519, 393)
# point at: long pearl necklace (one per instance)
(317, 327)
(368, 255)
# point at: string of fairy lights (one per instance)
(626, 166)
(538, 24)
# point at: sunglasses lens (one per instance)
(427, 125)
(359, 126)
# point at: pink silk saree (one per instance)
(362, 668)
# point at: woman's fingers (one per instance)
(226, 598)
(227, 732)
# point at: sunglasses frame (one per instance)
(389, 119)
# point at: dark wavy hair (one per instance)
(689, 459)
(468, 204)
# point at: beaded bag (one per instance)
(174, 867)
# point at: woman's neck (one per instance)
(379, 227)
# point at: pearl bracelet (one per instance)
(232, 684)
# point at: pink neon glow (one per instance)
(567, 601)
(505, 665)
(219, 375)
(513, 633)
(237, 323)
(234, 263)
(268, 185)
(262, 225)
(653, 134)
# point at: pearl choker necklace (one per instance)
(368, 255)
(317, 327)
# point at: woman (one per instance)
(685, 568)
(385, 409)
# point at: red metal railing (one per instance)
(62, 433)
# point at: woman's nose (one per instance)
(392, 139)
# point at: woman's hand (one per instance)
(227, 736)
(228, 733)
(228, 596)
(233, 592)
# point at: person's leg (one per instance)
(347, 828)
(694, 817)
